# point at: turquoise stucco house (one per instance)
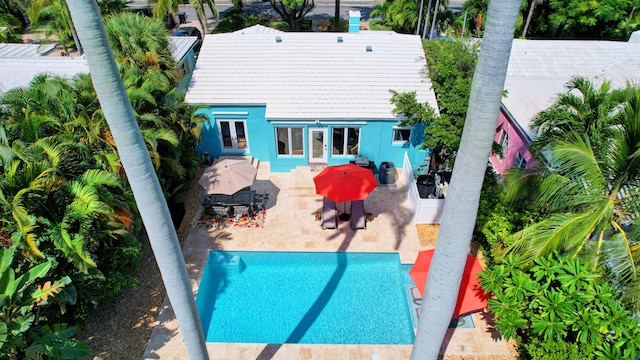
(294, 99)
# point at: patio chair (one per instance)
(204, 199)
(219, 210)
(241, 210)
(358, 217)
(329, 214)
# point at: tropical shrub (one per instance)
(450, 65)
(560, 304)
(27, 290)
(64, 197)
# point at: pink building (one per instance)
(514, 143)
(539, 70)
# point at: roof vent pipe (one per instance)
(278, 39)
(340, 39)
(369, 48)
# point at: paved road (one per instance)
(324, 9)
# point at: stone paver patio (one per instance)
(290, 225)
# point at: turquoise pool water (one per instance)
(308, 298)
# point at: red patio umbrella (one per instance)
(470, 297)
(345, 183)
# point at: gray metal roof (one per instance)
(180, 46)
(24, 50)
(19, 72)
(539, 69)
(310, 75)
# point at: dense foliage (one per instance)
(450, 65)
(66, 205)
(559, 308)
(235, 19)
(590, 197)
(580, 19)
(498, 219)
(400, 15)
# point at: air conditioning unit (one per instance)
(362, 161)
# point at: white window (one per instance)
(289, 141)
(401, 135)
(345, 141)
(504, 143)
(520, 162)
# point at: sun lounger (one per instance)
(329, 214)
(358, 217)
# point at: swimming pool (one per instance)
(307, 298)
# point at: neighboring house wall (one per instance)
(186, 66)
(514, 151)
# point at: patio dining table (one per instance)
(240, 198)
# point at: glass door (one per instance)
(233, 135)
(318, 146)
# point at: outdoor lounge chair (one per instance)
(358, 217)
(329, 214)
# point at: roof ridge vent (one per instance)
(278, 39)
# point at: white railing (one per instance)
(425, 211)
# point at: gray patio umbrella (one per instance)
(227, 177)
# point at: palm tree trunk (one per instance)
(140, 172)
(75, 38)
(435, 16)
(426, 21)
(419, 17)
(526, 24)
(461, 207)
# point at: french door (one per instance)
(233, 135)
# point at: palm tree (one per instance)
(460, 210)
(592, 198)
(141, 46)
(61, 24)
(140, 173)
(584, 109)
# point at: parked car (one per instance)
(191, 31)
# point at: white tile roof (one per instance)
(258, 29)
(180, 45)
(310, 75)
(24, 50)
(539, 69)
(19, 72)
